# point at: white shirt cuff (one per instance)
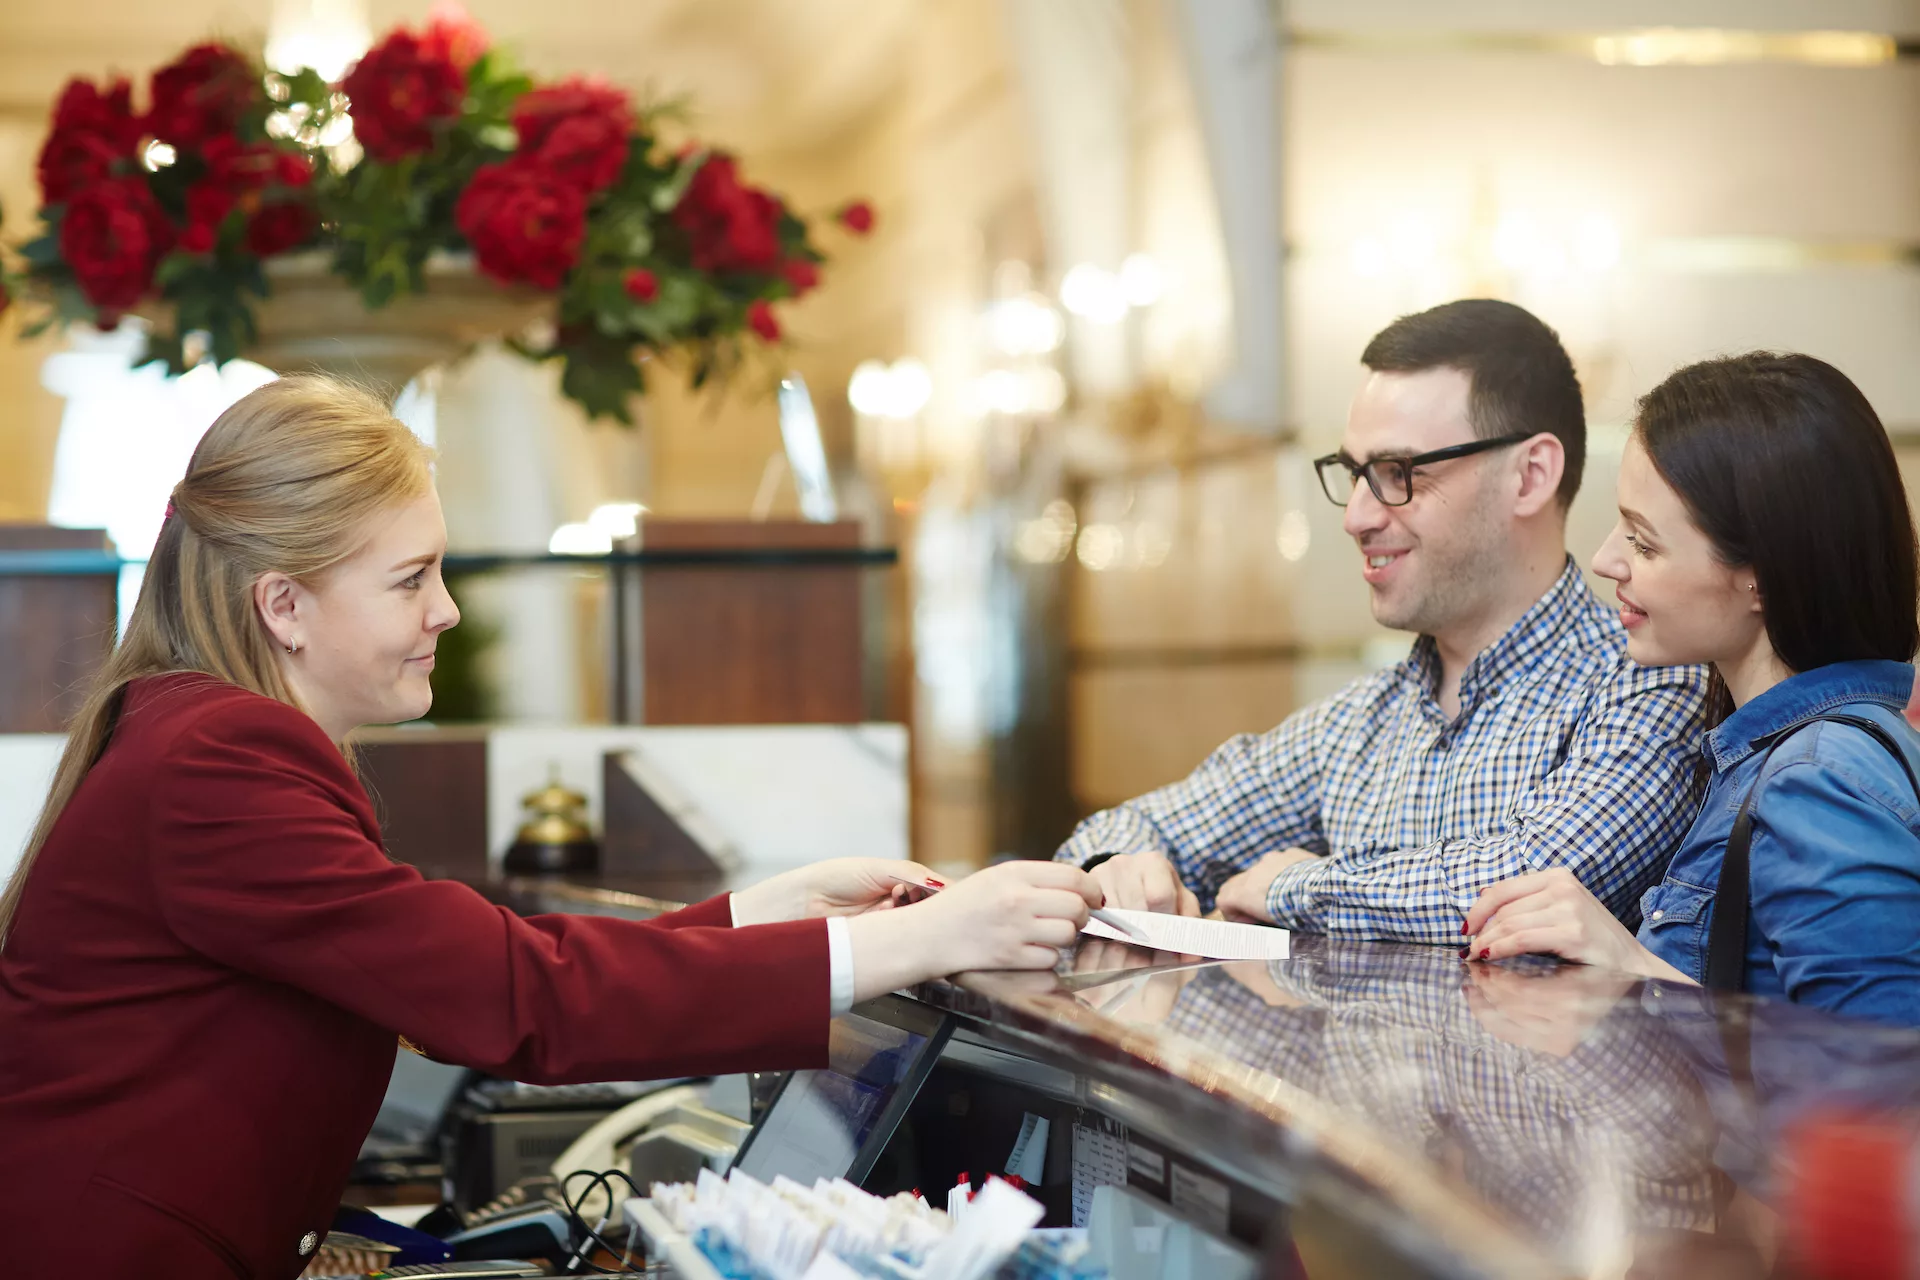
(839, 960)
(839, 967)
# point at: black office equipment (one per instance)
(833, 1123)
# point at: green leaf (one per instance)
(667, 195)
(602, 382)
(44, 251)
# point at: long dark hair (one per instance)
(1785, 467)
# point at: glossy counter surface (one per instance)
(1526, 1119)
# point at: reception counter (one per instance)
(1371, 1109)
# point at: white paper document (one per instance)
(1212, 939)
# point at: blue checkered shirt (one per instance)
(1565, 754)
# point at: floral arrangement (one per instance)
(431, 142)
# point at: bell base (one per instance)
(525, 858)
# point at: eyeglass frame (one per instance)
(1412, 463)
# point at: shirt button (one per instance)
(1658, 914)
(309, 1242)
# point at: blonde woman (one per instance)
(205, 955)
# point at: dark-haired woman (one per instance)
(1763, 529)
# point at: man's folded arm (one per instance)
(1612, 813)
(1257, 793)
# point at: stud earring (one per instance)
(1749, 586)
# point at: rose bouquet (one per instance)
(432, 142)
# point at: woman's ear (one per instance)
(276, 597)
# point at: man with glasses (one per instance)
(1517, 735)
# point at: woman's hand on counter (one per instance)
(1016, 915)
(1551, 912)
(836, 887)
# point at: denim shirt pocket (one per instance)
(1674, 918)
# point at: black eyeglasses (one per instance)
(1390, 478)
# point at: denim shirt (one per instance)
(1834, 866)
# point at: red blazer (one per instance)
(201, 992)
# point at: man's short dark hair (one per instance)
(1520, 378)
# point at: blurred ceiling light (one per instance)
(1141, 280)
(1413, 241)
(1294, 536)
(1094, 293)
(616, 519)
(1596, 243)
(899, 390)
(1369, 257)
(1100, 546)
(579, 540)
(1016, 392)
(999, 391)
(157, 156)
(1046, 390)
(1026, 325)
(1709, 46)
(1652, 46)
(1048, 538)
(1011, 277)
(1152, 544)
(327, 35)
(1518, 241)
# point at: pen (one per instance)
(1107, 918)
(1112, 921)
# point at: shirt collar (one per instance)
(1514, 653)
(1802, 697)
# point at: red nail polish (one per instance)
(1485, 952)
(936, 882)
(1463, 926)
(1463, 953)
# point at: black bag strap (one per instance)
(1727, 936)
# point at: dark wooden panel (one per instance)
(429, 788)
(47, 537)
(55, 631)
(751, 645)
(641, 842)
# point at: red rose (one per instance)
(576, 130)
(397, 92)
(761, 320)
(292, 169)
(112, 237)
(70, 162)
(523, 226)
(642, 286)
(280, 226)
(730, 227)
(857, 217)
(453, 35)
(93, 131)
(208, 204)
(801, 274)
(84, 108)
(236, 166)
(201, 95)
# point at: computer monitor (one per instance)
(834, 1122)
